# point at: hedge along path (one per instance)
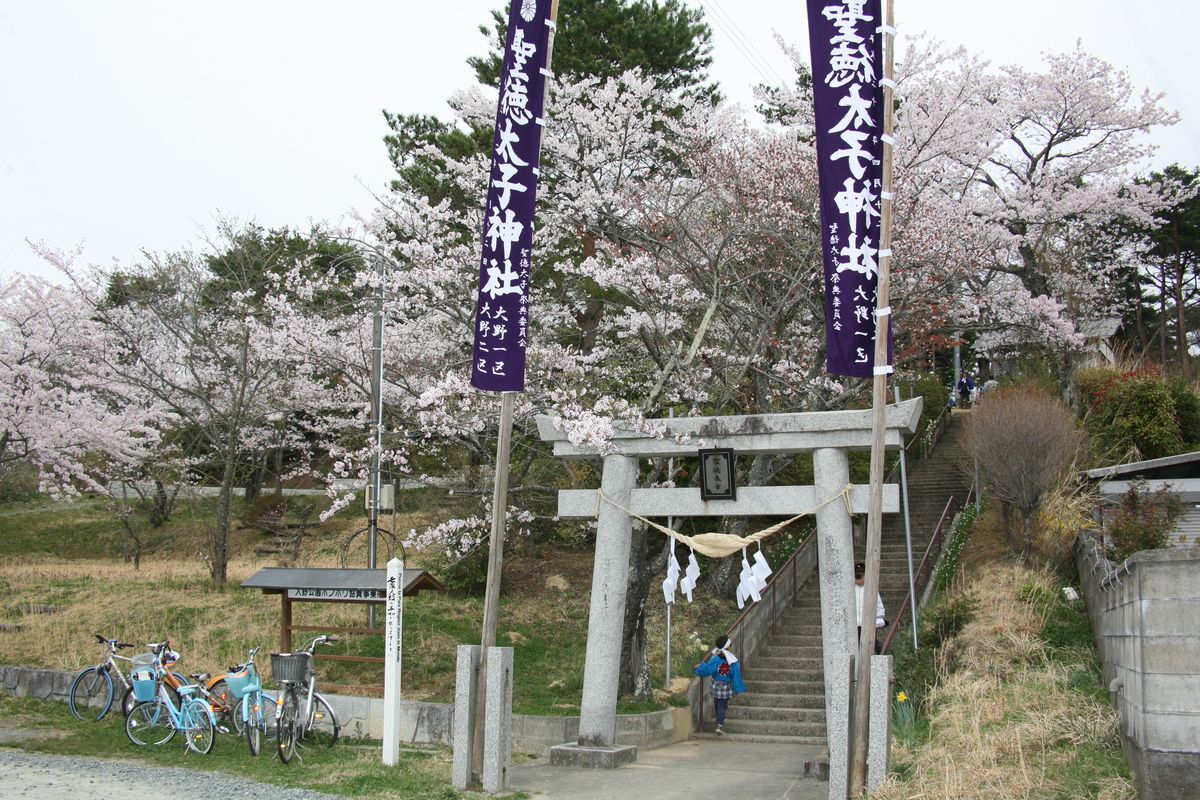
(722, 545)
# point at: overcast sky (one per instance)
(131, 125)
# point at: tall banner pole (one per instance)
(394, 640)
(852, 104)
(866, 644)
(502, 307)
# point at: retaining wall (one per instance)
(420, 723)
(1145, 616)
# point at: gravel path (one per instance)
(38, 776)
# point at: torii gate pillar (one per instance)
(610, 577)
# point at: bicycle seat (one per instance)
(200, 677)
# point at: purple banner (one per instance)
(502, 309)
(847, 65)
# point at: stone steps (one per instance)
(784, 666)
(774, 727)
(757, 738)
(793, 699)
(741, 711)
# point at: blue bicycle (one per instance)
(155, 718)
(245, 685)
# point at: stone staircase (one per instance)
(785, 680)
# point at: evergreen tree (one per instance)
(668, 41)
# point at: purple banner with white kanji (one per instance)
(847, 65)
(502, 309)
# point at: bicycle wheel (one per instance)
(198, 725)
(322, 727)
(253, 723)
(227, 707)
(91, 694)
(149, 723)
(285, 733)
(128, 701)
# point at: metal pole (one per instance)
(912, 593)
(670, 554)
(376, 430)
(667, 670)
(866, 645)
(957, 363)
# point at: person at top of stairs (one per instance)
(860, 573)
(726, 673)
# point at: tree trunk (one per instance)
(160, 508)
(279, 472)
(254, 483)
(1140, 318)
(130, 536)
(1009, 523)
(1026, 535)
(635, 665)
(219, 544)
(1162, 316)
(1180, 318)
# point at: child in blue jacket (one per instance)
(722, 666)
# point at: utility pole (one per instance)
(376, 431)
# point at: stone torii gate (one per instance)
(828, 435)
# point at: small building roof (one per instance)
(1184, 465)
(1099, 328)
(276, 580)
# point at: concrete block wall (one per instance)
(1145, 616)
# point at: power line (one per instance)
(747, 40)
(742, 42)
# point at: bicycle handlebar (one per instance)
(112, 643)
(324, 639)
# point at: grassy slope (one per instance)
(1017, 709)
(68, 555)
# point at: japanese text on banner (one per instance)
(846, 58)
(502, 307)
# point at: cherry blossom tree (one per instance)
(221, 361)
(61, 413)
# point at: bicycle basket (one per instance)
(145, 685)
(290, 667)
(239, 682)
(144, 660)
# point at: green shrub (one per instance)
(1142, 414)
(958, 538)
(945, 620)
(1143, 520)
(935, 394)
(1093, 384)
(1137, 409)
(1187, 411)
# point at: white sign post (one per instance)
(394, 616)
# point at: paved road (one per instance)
(694, 769)
(38, 776)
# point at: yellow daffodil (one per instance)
(902, 698)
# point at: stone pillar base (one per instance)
(582, 756)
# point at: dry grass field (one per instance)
(1017, 710)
